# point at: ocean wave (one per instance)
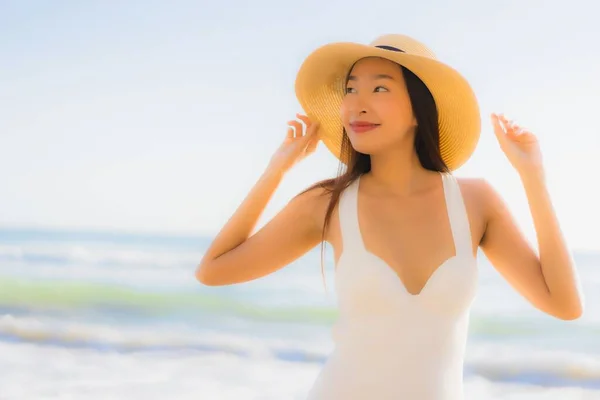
(39, 295)
(61, 295)
(74, 254)
(538, 366)
(102, 337)
(494, 362)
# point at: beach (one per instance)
(107, 315)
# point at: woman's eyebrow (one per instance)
(374, 77)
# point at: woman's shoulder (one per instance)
(314, 200)
(479, 193)
(472, 183)
(478, 187)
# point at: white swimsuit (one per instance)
(389, 343)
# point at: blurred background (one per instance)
(130, 131)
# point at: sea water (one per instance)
(88, 315)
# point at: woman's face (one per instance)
(376, 110)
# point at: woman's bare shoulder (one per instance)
(479, 191)
(315, 200)
(478, 196)
(473, 186)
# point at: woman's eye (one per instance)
(377, 89)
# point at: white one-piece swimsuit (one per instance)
(389, 343)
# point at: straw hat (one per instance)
(320, 86)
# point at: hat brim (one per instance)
(320, 85)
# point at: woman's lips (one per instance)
(361, 127)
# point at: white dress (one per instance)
(390, 344)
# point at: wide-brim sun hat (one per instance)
(320, 85)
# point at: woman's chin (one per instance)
(366, 146)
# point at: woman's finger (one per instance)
(510, 127)
(297, 127)
(312, 129)
(304, 119)
(498, 128)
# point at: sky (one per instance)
(158, 117)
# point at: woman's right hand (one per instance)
(296, 146)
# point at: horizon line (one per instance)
(173, 234)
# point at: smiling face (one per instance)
(376, 110)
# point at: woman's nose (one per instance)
(359, 105)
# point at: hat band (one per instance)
(390, 48)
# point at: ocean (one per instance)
(101, 315)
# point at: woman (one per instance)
(404, 230)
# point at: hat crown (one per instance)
(404, 43)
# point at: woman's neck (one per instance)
(399, 171)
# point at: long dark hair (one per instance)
(427, 146)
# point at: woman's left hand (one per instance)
(520, 146)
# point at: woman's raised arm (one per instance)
(235, 255)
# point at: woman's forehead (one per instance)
(375, 65)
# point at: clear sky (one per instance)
(159, 116)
